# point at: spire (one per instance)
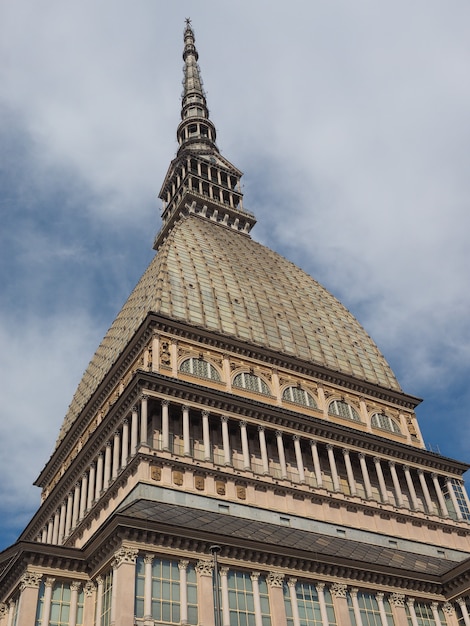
(200, 180)
(195, 131)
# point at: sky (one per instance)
(351, 123)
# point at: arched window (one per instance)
(299, 396)
(199, 367)
(343, 409)
(246, 380)
(380, 420)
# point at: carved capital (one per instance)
(183, 564)
(30, 579)
(448, 608)
(255, 575)
(148, 559)
(204, 567)
(75, 585)
(49, 582)
(89, 589)
(3, 609)
(338, 590)
(125, 555)
(291, 582)
(397, 599)
(275, 579)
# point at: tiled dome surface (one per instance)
(213, 277)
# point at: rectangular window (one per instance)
(241, 601)
(369, 609)
(308, 605)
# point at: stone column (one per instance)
(276, 598)
(55, 531)
(411, 607)
(99, 599)
(355, 603)
(99, 476)
(450, 489)
(27, 604)
(396, 484)
(125, 442)
(68, 515)
(256, 599)
(225, 440)
(116, 455)
(148, 560)
(155, 352)
(46, 606)
(183, 568)
(450, 614)
(334, 471)
(205, 591)
(349, 472)
(165, 426)
(206, 436)
(225, 601)
(365, 476)
(291, 582)
(316, 464)
(435, 613)
(397, 604)
(379, 596)
(380, 476)
(463, 607)
(424, 487)
(91, 486)
(245, 447)
(134, 430)
(411, 488)
(263, 449)
(75, 587)
(298, 458)
(440, 496)
(340, 603)
(143, 420)
(186, 437)
(107, 465)
(63, 511)
(76, 505)
(89, 604)
(321, 601)
(122, 602)
(281, 453)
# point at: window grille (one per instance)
(246, 380)
(343, 409)
(380, 420)
(299, 396)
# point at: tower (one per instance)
(238, 450)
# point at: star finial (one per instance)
(188, 22)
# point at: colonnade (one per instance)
(99, 475)
(259, 449)
(305, 460)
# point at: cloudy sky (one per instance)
(351, 122)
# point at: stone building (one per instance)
(238, 451)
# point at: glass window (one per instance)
(60, 605)
(459, 496)
(241, 601)
(246, 380)
(199, 367)
(308, 605)
(166, 606)
(424, 615)
(107, 593)
(380, 420)
(299, 396)
(369, 609)
(343, 409)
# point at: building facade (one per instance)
(238, 451)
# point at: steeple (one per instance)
(200, 180)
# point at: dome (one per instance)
(211, 277)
